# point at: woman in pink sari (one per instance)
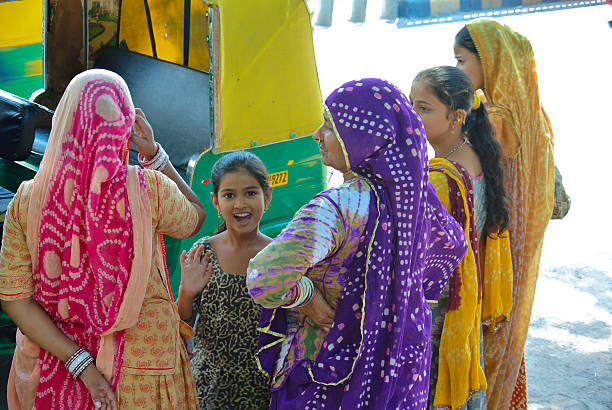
(81, 272)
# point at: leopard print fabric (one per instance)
(225, 343)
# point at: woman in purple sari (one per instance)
(344, 286)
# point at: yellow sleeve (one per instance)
(172, 213)
(15, 262)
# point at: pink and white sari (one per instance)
(89, 235)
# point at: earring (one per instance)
(219, 214)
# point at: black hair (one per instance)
(464, 39)
(454, 88)
(238, 161)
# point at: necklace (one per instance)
(452, 151)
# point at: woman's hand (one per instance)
(195, 271)
(142, 137)
(317, 310)
(101, 392)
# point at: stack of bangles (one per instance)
(158, 162)
(78, 362)
(304, 290)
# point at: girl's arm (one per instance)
(195, 274)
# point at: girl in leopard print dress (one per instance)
(213, 286)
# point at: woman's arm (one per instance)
(314, 233)
(16, 288)
(38, 326)
(318, 310)
(143, 139)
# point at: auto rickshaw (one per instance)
(212, 77)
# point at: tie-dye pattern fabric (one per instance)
(86, 249)
(376, 354)
(101, 219)
(333, 225)
(86, 216)
(155, 371)
(524, 131)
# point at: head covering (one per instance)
(511, 80)
(511, 88)
(377, 350)
(89, 231)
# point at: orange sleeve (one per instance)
(505, 135)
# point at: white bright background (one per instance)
(568, 352)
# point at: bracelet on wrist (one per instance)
(143, 160)
(159, 160)
(308, 293)
(82, 366)
(296, 295)
(78, 362)
(304, 290)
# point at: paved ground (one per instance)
(569, 359)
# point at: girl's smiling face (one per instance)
(241, 201)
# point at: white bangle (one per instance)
(78, 362)
(82, 366)
(158, 162)
(305, 289)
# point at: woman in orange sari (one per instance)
(500, 62)
(81, 270)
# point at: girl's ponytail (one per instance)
(480, 132)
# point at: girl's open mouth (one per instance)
(243, 218)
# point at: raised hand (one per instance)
(142, 135)
(195, 270)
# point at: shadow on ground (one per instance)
(568, 351)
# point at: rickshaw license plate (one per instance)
(279, 178)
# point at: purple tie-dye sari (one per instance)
(376, 355)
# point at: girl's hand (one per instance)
(317, 310)
(142, 136)
(195, 271)
(101, 392)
